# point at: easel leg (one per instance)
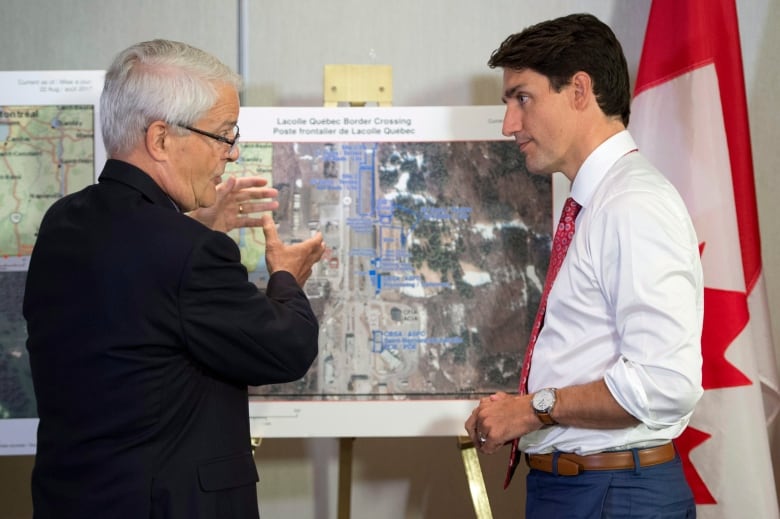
(479, 497)
(357, 85)
(345, 477)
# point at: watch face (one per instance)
(543, 400)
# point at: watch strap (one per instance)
(545, 418)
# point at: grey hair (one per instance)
(158, 80)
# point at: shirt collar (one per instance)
(598, 163)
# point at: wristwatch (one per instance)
(543, 402)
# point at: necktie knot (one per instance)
(564, 232)
(570, 211)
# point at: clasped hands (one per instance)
(238, 199)
(500, 418)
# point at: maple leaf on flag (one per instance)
(725, 316)
(685, 443)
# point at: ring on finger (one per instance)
(240, 209)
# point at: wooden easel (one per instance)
(479, 497)
(357, 85)
(353, 85)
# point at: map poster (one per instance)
(50, 146)
(437, 242)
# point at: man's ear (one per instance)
(158, 140)
(583, 89)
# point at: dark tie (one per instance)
(561, 241)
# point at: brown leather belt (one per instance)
(574, 464)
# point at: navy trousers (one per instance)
(658, 492)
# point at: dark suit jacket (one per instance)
(144, 333)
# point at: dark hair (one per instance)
(561, 47)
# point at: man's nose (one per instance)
(233, 153)
(512, 122)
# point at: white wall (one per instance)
(438, 50)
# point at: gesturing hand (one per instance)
(297, 259)
(237, 199)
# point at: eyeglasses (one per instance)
(230, 142)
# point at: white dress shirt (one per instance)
(627, 305)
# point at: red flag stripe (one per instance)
(707, 31)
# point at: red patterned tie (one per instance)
(561, 241)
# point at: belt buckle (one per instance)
(567, 467)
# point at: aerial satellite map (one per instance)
(436, 252)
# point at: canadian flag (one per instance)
(689, 117)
